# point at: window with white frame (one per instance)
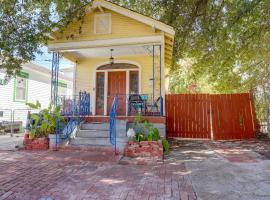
(102, 23)
(21, 83)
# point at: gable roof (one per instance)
(132, 14)
(40, 69)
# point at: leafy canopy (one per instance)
(25, 26)
(228, 41)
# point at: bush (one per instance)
(165, 145)
(44, 123)
(145, 130)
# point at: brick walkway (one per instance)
(75, 174)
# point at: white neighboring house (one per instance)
(32, 84)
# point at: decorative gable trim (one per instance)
(110, 22)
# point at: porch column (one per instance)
(106, 93)
(162, 59)
(160, 81)
(54, 78)
(153, 74)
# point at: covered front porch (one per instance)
(134, 73)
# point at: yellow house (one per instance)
(118, 52)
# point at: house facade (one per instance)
(118, 52)
(32, 84)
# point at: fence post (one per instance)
(12, 121)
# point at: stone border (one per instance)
(150, 149)
(36, 144)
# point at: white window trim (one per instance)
(25, 88)
(110, 23)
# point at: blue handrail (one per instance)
(75, 109)
(113, 114)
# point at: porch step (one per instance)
(96, 134)
(93, 134)
(95, 126)
(120, 125)
(101, 142)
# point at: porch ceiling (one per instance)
(118, 51)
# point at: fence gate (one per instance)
(233, 116)
(225, 116)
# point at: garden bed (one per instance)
(150, 149)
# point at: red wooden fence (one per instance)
(232, 116)
(188, 115)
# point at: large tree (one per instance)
(26, 24)
(228, 40)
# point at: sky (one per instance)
(45, 60)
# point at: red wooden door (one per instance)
(117, 85)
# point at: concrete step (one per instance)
(93, 133)
(121, 125)
(79, 141)
(95, 126)
(99, 134)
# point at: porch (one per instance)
(134, 73)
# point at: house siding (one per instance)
(86, 69)
(122, 27)
(39, 88)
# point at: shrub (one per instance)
(165, 145)
(155, 134)
(144, 129)
(44, 123)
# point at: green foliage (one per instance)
(44, 123)
(155, 134)
(139, 137)
(227, 41)
(25, 25)
(37, 105)
(144, 129)
(165, 145)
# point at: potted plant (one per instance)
(43, 124)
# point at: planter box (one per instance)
(151, 149)
(36, 144)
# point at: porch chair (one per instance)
(137, 102)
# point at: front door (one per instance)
(117, 85)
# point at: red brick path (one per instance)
(77, 174)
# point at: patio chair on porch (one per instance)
(137, 103)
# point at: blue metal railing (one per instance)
(113, 114)
(74, 109)
(69, 128)
(76, 105)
